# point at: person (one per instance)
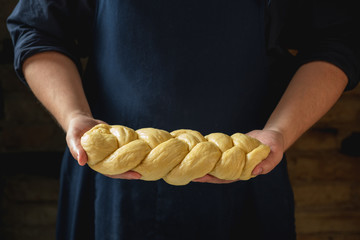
(210, 66)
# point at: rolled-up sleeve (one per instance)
(43, 25)
(327, 30)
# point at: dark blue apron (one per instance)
(169, 64)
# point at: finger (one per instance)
(82, 156)
(76, 150)
(73, 149)
(202, 179)
(130, 175)
(257, 170)
(266, 166)
(211, 179)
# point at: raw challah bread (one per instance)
(177, 157)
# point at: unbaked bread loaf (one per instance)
(177, 157)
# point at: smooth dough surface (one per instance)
(177, 157)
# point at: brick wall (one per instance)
(326, 181)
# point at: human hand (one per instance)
(275, 141)
(271, 138)
(78, 125)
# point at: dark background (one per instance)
(324, 165)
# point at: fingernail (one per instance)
(136, 175)
(258, 171)
(78, 158)
(77, 155)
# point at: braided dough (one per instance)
(177, 157)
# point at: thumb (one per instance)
(268, 164)
(77, 151)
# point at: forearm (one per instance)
(314, 89)
(55, 81)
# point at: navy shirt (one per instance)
(204, 65)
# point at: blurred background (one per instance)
(324, 165)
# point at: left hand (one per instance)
(274, 140)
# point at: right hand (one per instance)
(78, 125)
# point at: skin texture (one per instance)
(314, 89)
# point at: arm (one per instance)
(323, 32)
(313, 90)
(48, 37)
(56, 82)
